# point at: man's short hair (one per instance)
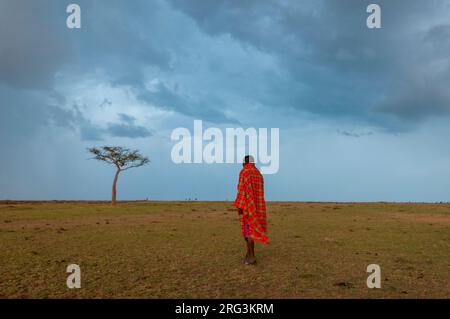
(248, 159)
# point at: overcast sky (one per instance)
(363, 113)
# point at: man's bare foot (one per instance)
(250, 260)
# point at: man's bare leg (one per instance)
(250, 258)
(248, 251)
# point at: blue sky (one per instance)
(363, 114)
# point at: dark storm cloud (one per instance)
(169, 99)
(89, 131)
(32, 42)
(119, 37)
(325, 60)
(423, 95)
(344, 68)
(128, 130)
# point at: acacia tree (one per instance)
(122, 158)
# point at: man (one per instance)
(251, 207)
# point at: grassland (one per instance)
(194, 250)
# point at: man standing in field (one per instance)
(251, 207)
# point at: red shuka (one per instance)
(250, 198)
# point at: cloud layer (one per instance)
(137, 70)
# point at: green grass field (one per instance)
(194, 250)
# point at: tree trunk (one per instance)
(114, 192)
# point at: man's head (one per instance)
(248, 159)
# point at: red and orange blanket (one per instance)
(250, 198)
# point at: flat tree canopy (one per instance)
(123, 158)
